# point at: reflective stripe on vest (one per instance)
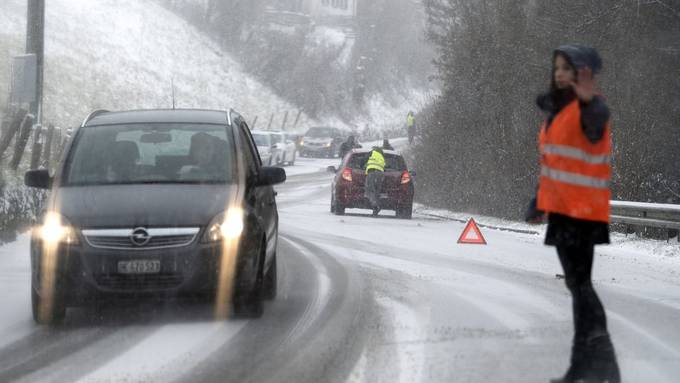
(576, 154)
(574, 179)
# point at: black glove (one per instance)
(533, 215)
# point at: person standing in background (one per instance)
(411, 126)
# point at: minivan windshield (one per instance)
(319, 132)
(151, 153)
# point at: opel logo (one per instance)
(140, 237)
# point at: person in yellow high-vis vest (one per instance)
(411, 126)
(375, 173)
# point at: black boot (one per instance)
(578, 367)
(603, 365)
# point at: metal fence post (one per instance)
(47, 155)
(297, 119)
(13, 128)
(36, 151)
(285, 120)
(4, 125)
(271, 119)
(22, 141)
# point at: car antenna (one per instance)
(172, 81)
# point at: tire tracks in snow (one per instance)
(302, 331)
(43, 348)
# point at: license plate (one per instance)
(384, 195)
(139, 267)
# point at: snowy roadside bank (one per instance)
(648, 246)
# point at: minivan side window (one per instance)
(251, 154)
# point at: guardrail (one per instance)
(661, 216)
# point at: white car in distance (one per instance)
(285, 146)
(265, 146)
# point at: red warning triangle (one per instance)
(471, 234)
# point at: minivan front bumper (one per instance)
(85, 274)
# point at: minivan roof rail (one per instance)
(93, 115)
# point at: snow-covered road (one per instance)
(362, 299)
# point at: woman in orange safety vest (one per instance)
(575, 147)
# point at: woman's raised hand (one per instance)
(584, 86)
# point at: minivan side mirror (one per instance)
(38, 178)
(270, 175)
(331, 169)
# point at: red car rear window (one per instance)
(392, 161)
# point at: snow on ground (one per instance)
(620, 241)
(123, 54)
(15, 279)
(634, 264)
(506, 296)
(310, 165)
(167, 362)
(507, 285)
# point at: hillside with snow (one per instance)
(124, 54)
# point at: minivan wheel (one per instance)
(53, 316)
(250, 304)
(270, 281)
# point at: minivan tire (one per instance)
(250, 304)
(270, 281)
(54, 316)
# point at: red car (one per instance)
(347, 190)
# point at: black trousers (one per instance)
(373, 186)
(592, 352)
(590, 320)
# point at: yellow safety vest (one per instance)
(410, 120)
(376, 161)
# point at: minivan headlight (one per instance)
(56, 229)
(226, 225)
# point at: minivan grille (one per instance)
(123, 239)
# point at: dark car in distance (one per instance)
(156, 203)
(347, 189)
(322, 142)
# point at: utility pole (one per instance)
(35, 44)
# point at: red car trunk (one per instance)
(397, 188)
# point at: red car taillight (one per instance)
(346, 174)
(405, 178)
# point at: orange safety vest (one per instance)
(575, 173)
